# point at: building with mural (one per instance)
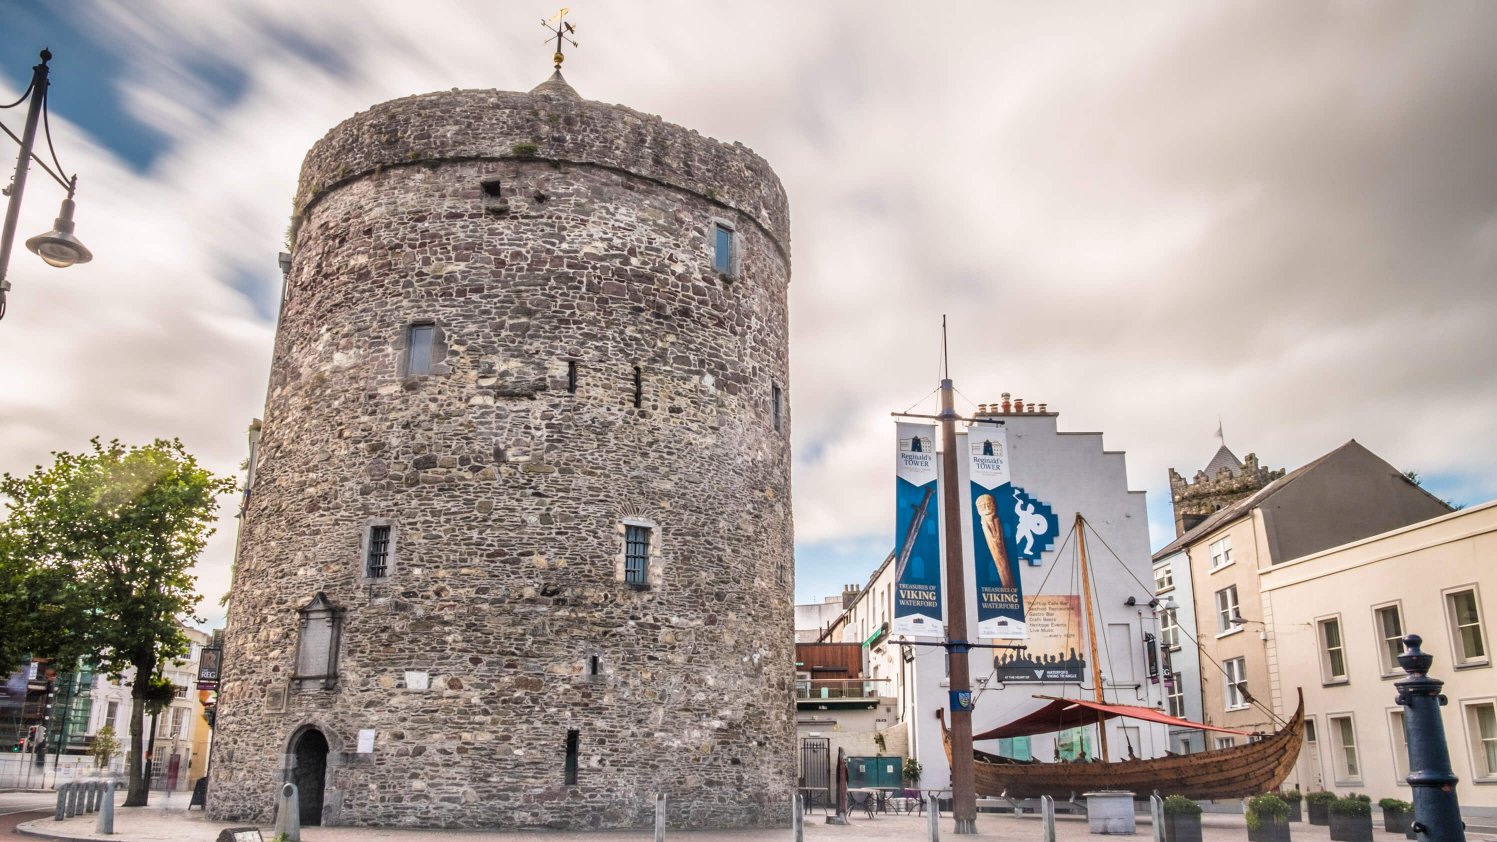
(1048, 476)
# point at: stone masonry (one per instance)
(1199, 498)
(563, 251)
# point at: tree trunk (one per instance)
(139, 788)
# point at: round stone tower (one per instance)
(518, 549)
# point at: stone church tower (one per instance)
(1225, 480)
(519, 548)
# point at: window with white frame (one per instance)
(1481, 725)
(1464, 611)
(179, 723)
(1235, 686)
(1175, 695)
(1224, 742)
(111, 715)
(1226, 608)
(1400, 746)
(1332, 651)
(1164, 578)
(1221, 552)
(1169, 628)
(1344, 736)
(1388, 620)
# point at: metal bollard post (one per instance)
(62, 803)
(933, 817)
(1047, 817)
(660, 817)
(1156, 814)
(72, 808)
(106, 809)
(1437, 813)
(798, 818)
(288, 813)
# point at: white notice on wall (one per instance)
(366, 741)
(417, 680)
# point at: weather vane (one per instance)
(563, 31)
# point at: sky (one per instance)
(1154, 217)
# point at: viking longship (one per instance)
(1234, 772)
(1238, 771)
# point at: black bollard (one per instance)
(62, 803)
(1437, 813)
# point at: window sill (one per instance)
(1335, 682)
(1229, 632)
(1487, 780)
(1473, 664)
(1348, 782)
(1232, 709)
(1223, 567)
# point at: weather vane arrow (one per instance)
(557, 25)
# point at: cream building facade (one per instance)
(1336, 620)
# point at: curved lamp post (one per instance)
(57, 247)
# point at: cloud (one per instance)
(1146, 217)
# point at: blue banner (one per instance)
(917, 544)
(1000, 592)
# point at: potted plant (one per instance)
(1396, 815)
(1267, 819)
(1317, 807)
(1294, 798)
(1182, 819)
(911, 774)
(1351, 819)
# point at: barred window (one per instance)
(377, 560)
(637, 556)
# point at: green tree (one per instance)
(100, 548)
(104, 746)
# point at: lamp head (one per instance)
(59, 247)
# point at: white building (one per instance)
(1069, 473)
(1335, 623)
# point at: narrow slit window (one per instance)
(418, 349)
(636, 556)
(722, 248)
(571, 377)
(594, 665)
(569, 772)
(776, 399)
(377, 561)
(639, 387)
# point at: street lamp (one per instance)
(57, 247)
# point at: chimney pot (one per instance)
(1007, 404)
(1030, 408)
(1043, 407)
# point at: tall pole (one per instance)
(1091, 631)
(23, 165)
(963, 788)
(1437, 813)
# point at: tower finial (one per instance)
(557, 25)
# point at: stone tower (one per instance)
(519, 549)
(1223, 481)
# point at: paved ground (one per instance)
(172, 823)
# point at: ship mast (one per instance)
(1091, 632)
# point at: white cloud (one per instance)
(1147, 217)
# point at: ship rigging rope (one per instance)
(29, 89)
(1273, 716)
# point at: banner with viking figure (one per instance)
(917, 545)
(1000, 596)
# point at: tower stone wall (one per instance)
(563, 251)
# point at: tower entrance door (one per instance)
(310, 775)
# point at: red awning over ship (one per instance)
(1073, 713)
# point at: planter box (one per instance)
(1351, 828)
(1182, 828)
(1396, 821)
(1295, 813)
(1319, 813)
(1273, 830)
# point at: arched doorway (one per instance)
(310, 774)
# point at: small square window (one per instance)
(722, 248)
(1221, 552)
(637, 556)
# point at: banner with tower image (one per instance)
(917, 564)
(1000, 593)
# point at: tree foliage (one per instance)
(96, 557)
